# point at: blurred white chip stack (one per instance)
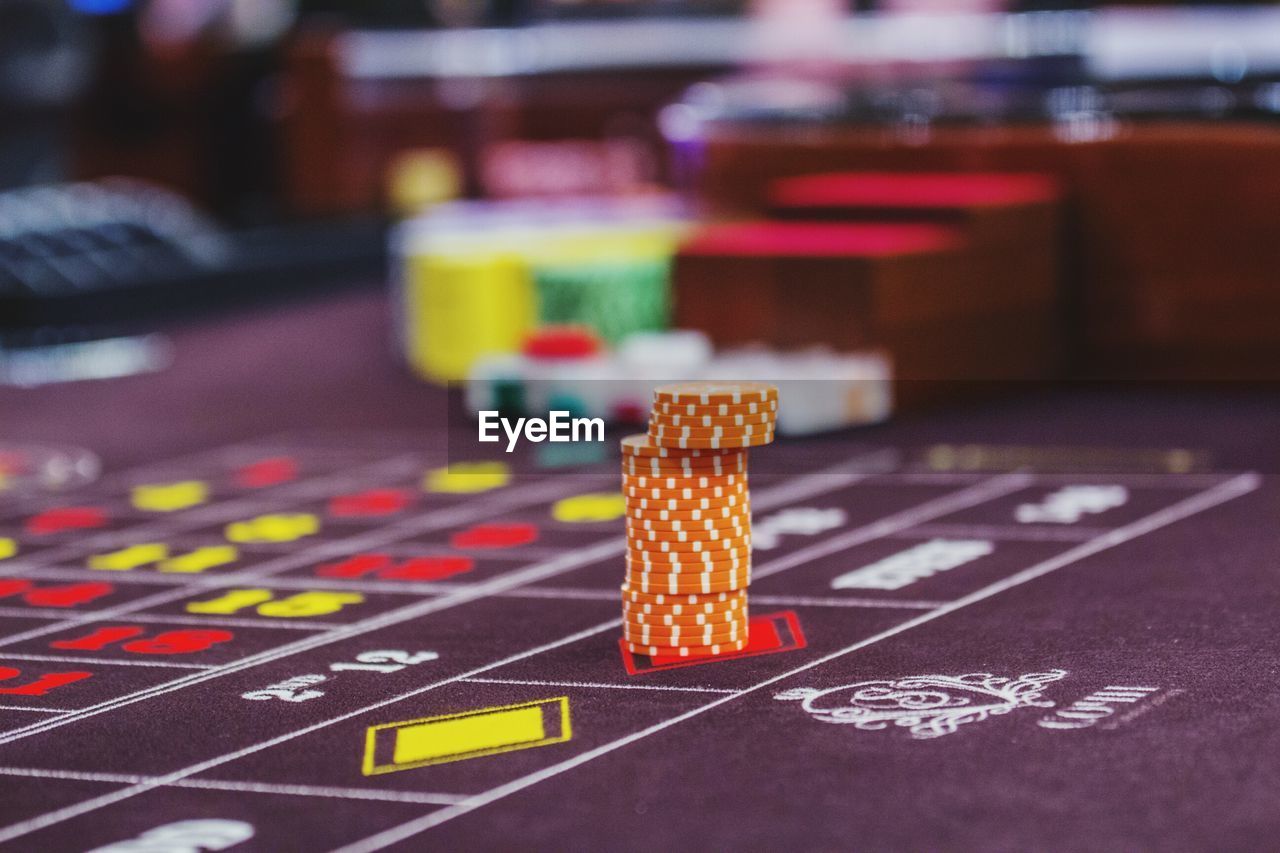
(818, 390)
(822, 390)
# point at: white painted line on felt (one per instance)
(594, 684)
(1006, 533)
(150, 783)
(834, 601)
(1170, 480)
(246, 577)
(377, 794)
(34, 613)
(837, 476)
(427, 521)
(228, 509)
(181, 619)
(324, 550)
(572, 594)
(1182, 482)
(108, 614)
(341, 632)
(35, 709)
(610, 548)
(833, 478)
(73, 775)
(15, 565)
(231, 622)
(393, 549)
(1222, 493)
(219, 511)
(107, 661)
(230, 579)
(389, 587)
(560, 592)
(380, 795)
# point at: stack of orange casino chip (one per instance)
(689, 517)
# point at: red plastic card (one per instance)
(770, 634)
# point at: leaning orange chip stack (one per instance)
(689, 517)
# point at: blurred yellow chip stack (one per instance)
(458, 308)
(476, 279)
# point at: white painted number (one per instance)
(290, 690)
(391, 660)
(299, 687)
(185, 836)
(907, 567)
(1070, 504)
(802, 520)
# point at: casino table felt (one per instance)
(1046, 622)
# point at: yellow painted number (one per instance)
(170, 497)
(604, 506)
(273, 528)
(299, 606)
(129, 558)
(464, 478)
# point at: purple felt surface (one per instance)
(1102, 683)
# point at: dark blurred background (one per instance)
(161, 160)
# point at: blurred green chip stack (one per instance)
(615, 298)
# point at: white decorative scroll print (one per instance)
(928, 706)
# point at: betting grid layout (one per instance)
(396, 644)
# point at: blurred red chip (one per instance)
(554, 342)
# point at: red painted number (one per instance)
(267, 472)
(414, 569)
(41, 685)
(178, 642)
(66, 518)
(168, 643)
(495, 536)
(358, 566)
(13, 587)
(374, 502)
(68, 596)
(54, 596)
(428, 568)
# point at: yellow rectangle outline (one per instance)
(368, 768)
